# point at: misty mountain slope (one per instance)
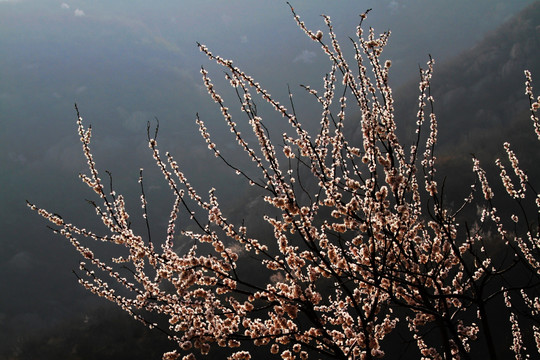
(480, 103)
(481, 89)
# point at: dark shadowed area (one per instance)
(128, 63)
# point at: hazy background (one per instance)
(126, 62)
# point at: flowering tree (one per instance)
(361, 251)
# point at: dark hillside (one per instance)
(480, 101)
(482, 89)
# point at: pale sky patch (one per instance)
(64, 6)
(17, 157)
(22, 260)
(79, 12)
(305, 56)
(226, 19)
(136, 121)
(394, 6)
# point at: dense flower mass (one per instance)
(361, 252)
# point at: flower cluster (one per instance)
(360, 251)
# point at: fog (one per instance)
(127, 63)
